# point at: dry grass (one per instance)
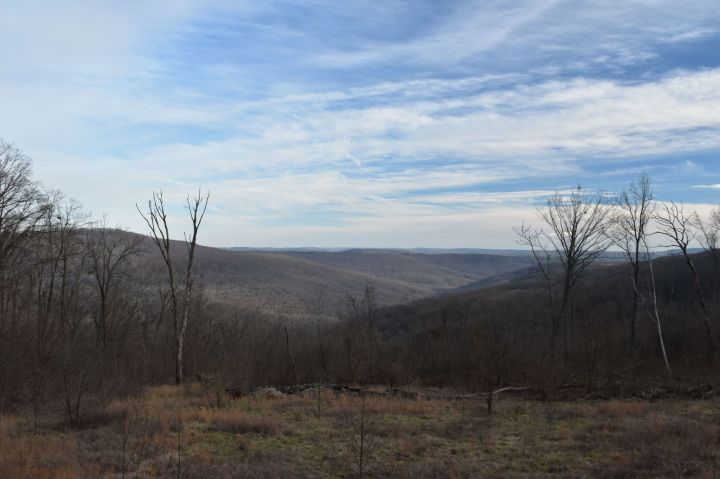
(23, 454)
(618, 408)
(236, 422)
(170, 428)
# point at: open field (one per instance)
(166, 428)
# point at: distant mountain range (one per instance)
(307, 279)
(310, 280)
(317, 281)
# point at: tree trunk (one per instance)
(656, 316)
(179, 360)
(290, 356)
(703, 306)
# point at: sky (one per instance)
(361, 123)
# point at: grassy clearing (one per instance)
(169, 428)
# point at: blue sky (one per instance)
(362, 123)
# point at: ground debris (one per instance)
(702, 391)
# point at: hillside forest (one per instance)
(610, 293)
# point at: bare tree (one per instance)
(58, 225)
(653, 311)
(156, 219)
(709, 239)
(575, 238)
(634, 211)
(362, 443)
(51, 247)
(109, 250)
(22, 207)
(360, 341)
(533, 238)
(677, 226)
(492, 348)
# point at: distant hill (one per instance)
(285, 282)
(605, 285)
(308, 280)
(317, 282)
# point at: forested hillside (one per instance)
(89, 313)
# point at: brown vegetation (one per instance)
(169, 431)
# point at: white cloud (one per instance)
(283, 165)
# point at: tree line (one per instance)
(624, 287)
(89, 312)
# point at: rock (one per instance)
(268, 393)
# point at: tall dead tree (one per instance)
(634, 210)
(575, 237)
(677, 226)
(157, 221)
